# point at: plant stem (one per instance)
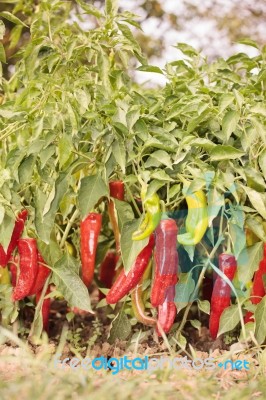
(68, 227)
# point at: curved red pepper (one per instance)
(221, 295)
(45, 309)
(3, 258)
(13, 269)
(258, 289)
(90, 229)
(166, 260)
(17, 231)
(117, 191)
(27, 249)
(107, 271)
(124, 283)
(42, 275)
(167, 311)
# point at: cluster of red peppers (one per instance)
(28, 270)
(162, 234)
(221, 294)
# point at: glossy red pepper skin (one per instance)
(45, 309)
(167, 311)
(13, 269)
(166, 260)
(221, 295)
(258, 290)
(107, 271)
(27, 249)
(117, 191)
(42, 275)
(3, 258)
(90, 229)
(124, 283)
(17, 231)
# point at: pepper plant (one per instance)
(73, 119)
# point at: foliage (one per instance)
(72, 119)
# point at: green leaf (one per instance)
(184, 289)
(255, 226)
(69, 283)
(248, 42)
(229, 123)
(262, 162)
(260, 317)
(130, 249)
(215, 203)
(6, 229)
(124, 212)
(51, 253)
(92, 188)
(90, 9)
(119, 153)
(196, 324)
(161, 175)
(162, 157)
(186, 49)
(221, 152)
(64, 149)
(204, 305)
(225, 101)
(257, 200)
(238, 237)
(10, 17)
(2, 53)
(128, 35)
(25, 169)
(120, 328)
(2, 30)
(229, 319)
(153, 187)
(150, 68)
(248, 262)
(203, 142)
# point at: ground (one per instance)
(28, 370)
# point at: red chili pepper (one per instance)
(14, 261)
(221, 294)
(45, 308)
(17, 231)
(258, 289)
(124, 283)
(3, 259)
(42, 275)
(166, 260)
(107, 271)
(167, 311)
(89, 232)
(27, 249)
(117, 191)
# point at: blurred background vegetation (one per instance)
(212, 26)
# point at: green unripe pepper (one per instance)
(152, 218)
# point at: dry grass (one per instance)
(28, 372)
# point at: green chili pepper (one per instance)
(152, 218)
(197, 219)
